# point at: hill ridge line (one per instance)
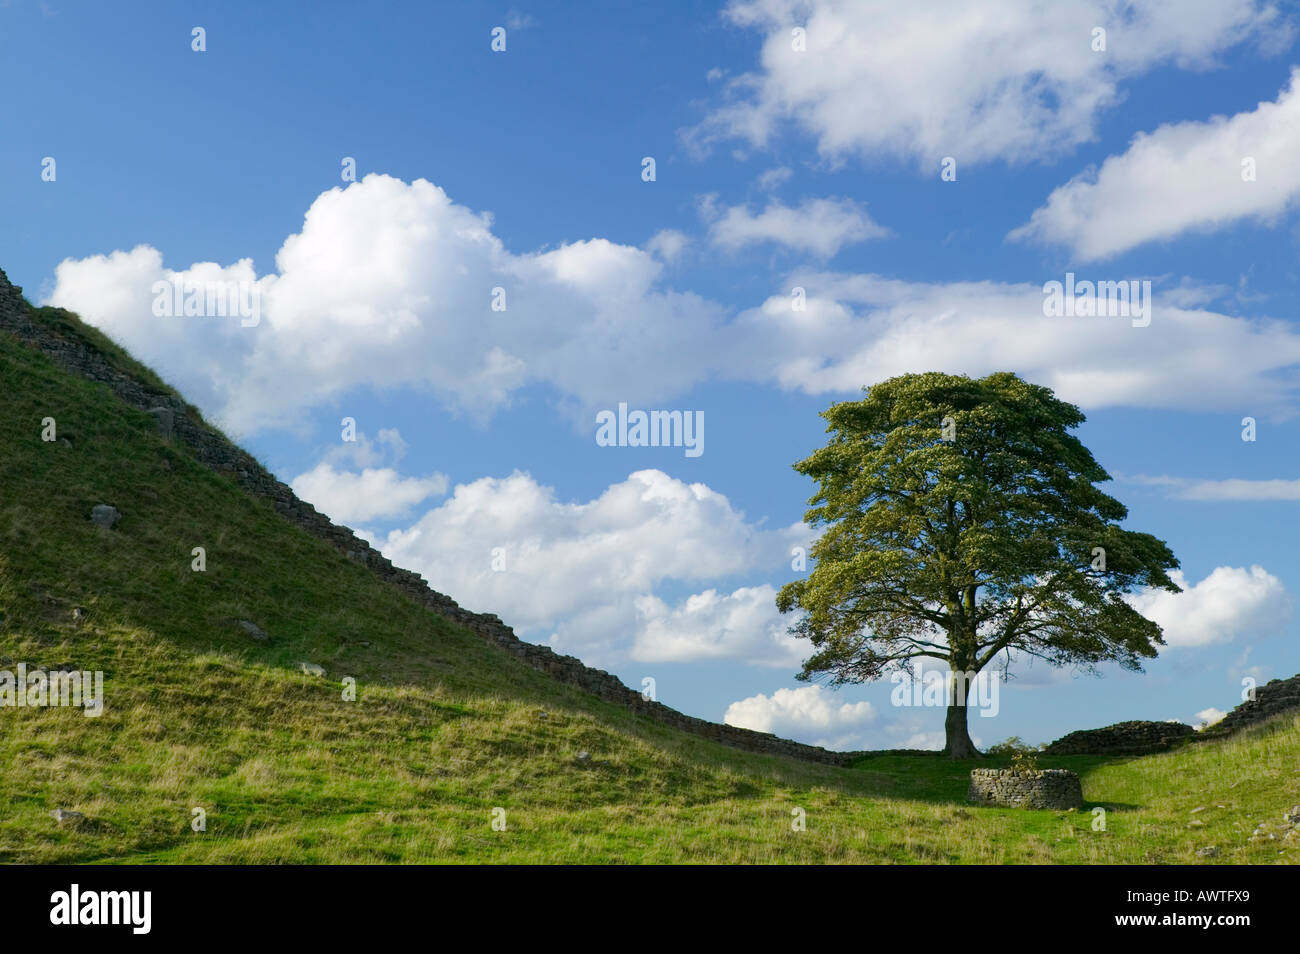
(217, 452)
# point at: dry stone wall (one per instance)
(1277, 697)
(178, 420)
(1123, 738)
(1273, 698)
(1045, 788)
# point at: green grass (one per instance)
(445, 728)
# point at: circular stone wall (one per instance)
(1048, 788)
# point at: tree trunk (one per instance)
(957, 740)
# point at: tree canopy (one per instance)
(961, 520)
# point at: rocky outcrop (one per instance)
(254, 631)
(1123, 738)
(164, 419)
(1043, 788)
(105, 516)
(76, 353)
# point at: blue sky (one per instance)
(775, 168)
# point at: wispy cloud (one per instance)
(820, 226)
(1002, 79)
(516, 20)
(1234, 488)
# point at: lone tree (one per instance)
(962, 521)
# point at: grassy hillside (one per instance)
(445, 727)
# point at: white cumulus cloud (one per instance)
(389, 286)
(1183, 177)
(374, 493)
(586, 575)
(858, 329)
(1231, 603)
(1208, 717)
(811, 714)
(742, 625)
